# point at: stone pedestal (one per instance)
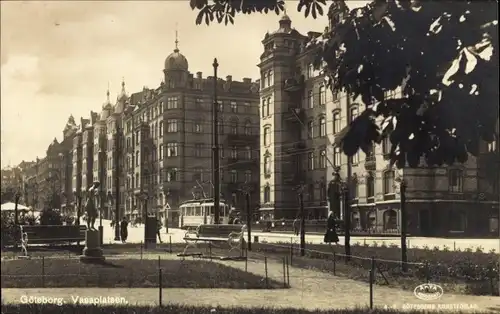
(92, 251)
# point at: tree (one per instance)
(443, 55)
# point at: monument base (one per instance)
(92, 253)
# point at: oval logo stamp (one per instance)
(428, 292)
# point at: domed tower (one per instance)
(176, 68)
(107, 107)
(121, 100)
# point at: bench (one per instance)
(223, 233)
(50, 234)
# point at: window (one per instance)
(267, 165)
(386, 145)
(322, 126)
(136, 159)
(267, 194)
(310, 70)
(310, 99)
(172, 149)
(234, 176)
(457, 220)
(248, 176)
(322, 191)
(455, 180)
(270, 81)
(266, 102)
(248, 152)
(322, 158)
(198, 150)
(337, 157)
(172, 125)
(171, 174)
(322, 95)
(492, 147)
(353, 192)
(355, 158)
(160, 129)
(234, 152)
(234, 107)
(221, 127)
(267, 136)
(248, 128)
(389, 182)
(310, 192)
(336, 122)
(370, 186)
(198, 174)
(310, 129)
(234, 126)
(264, 80)
(198, 126)
(354, 113)
(172, 103)
(199, 103)
(160, 152)
(310, 161)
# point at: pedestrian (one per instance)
(158, 228)
(124, 230)
(296, 226)
(331, 233)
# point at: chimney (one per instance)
(229, 78)
(199, 75)
(247, 80)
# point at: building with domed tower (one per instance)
(301, 122)
(168, 135)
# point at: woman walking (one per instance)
(331, 233)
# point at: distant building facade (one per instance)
(300, 121)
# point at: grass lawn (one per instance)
(128, 273)
(179, 309)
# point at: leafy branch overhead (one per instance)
(442, 55)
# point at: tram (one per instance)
(201, 211)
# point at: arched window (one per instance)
(248, 176)
(322, 126)
(161, 129)
(234, 126)
(248, 128)
(266, 102)
(322, 95)
(248, 152)
(389, 182)
(336, 122)
(267, 194)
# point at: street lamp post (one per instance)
(215, 148)
(16, 204)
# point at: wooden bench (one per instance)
(50, 234)
(231, 234)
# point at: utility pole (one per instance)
(300, 192)
(404, 224)
(117, 181)
(215, 148)
(100, 161)
(347, 210)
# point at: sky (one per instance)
(57, 58)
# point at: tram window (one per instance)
(211, 210)
(198, 210)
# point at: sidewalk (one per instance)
(309, 289)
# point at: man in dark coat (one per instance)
(331, 233)
(124, 229)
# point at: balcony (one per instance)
(298, 146)
(294, 84)
(294, 114)
(241, 139)
(370, 162)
